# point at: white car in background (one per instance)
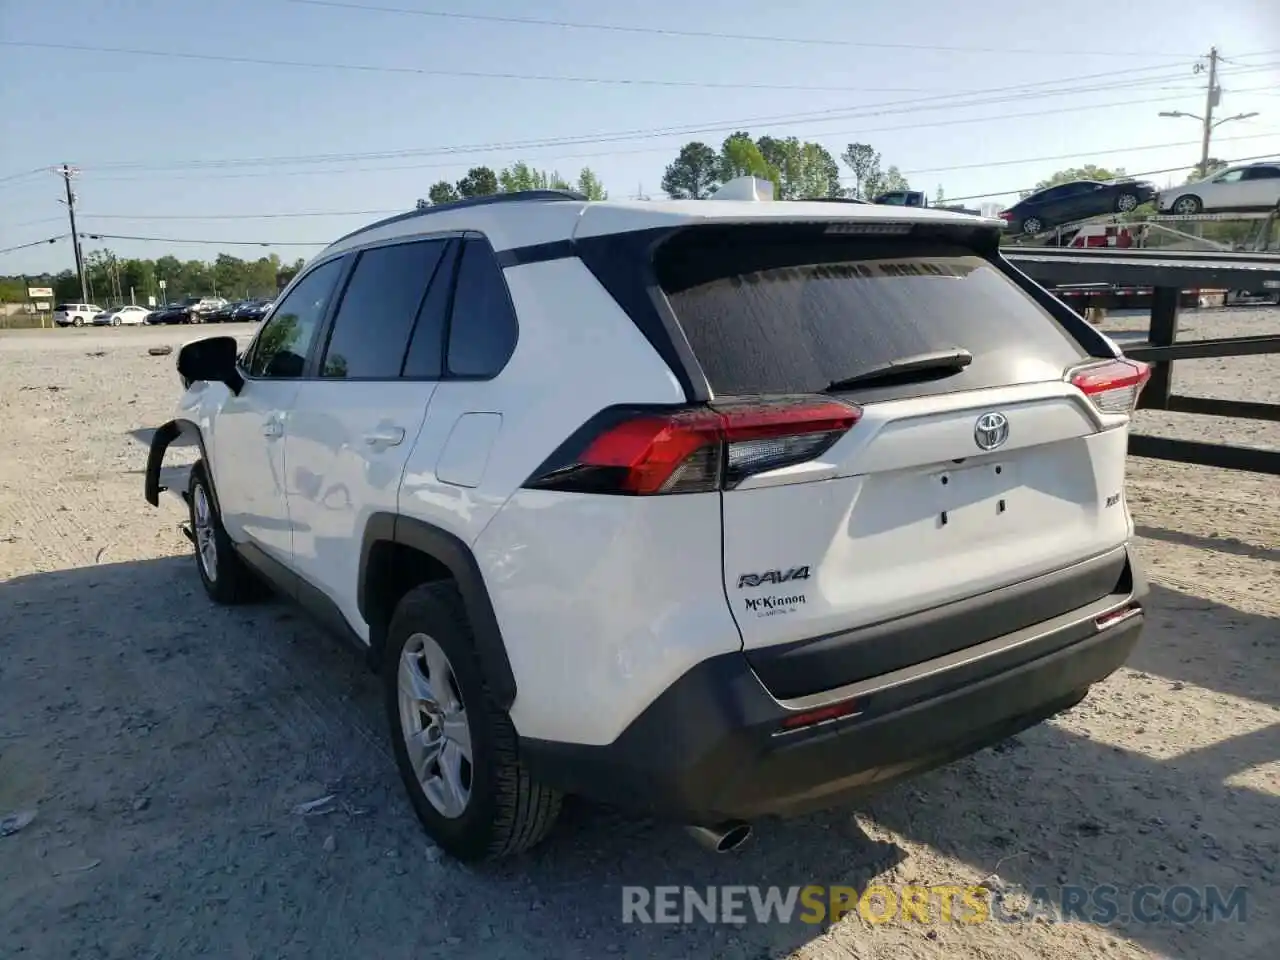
(1249, 187)
(75, 314)
(122, 316)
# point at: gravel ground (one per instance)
(164, 742)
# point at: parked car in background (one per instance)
(122, 316)
(189, 310)
(252, 310)
(1076, 200)
(75, 314)
(1249, 187)
(223, 313)
(170, 313)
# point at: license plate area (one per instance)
(975, 501)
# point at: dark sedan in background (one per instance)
(252, 310)
(1077, 200)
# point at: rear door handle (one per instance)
(388, 437)
(272, 427)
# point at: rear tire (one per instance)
(226, 578)
(1187, 206)
(1032, 225)
(434, 687)
(1126, 203)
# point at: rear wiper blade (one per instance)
(940, 361)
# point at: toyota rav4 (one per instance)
(715, 510)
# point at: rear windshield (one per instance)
(770, 318)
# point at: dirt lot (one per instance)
(164, 742)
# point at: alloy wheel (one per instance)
(433, 721)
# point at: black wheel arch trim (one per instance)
(458, 558)
(165, 434)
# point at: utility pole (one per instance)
(1211, 97)
(67, 171)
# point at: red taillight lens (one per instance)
(694, 450)
(1112, 385)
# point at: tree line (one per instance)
(798, 169)
(113, 281)
(483, 182)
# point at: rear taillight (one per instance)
(1112, 385)
(642, 452)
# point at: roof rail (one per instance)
(516, 196)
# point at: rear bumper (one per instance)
(711, 747)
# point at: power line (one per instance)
(976, 98)
(229, 243)
(24, 173)
(1085, 154)
(714, 35)
(1082, 154)
(241, 216)
(34, 243)
(459, 74)
(457, 151)
(321, 243)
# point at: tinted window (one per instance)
(482, 328)
(783, 317)
(1262, 173)
(283, 343)
(372, 327)
(425, 359)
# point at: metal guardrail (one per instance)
(1169, 273)
(1147, 268)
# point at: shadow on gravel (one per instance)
(166, 742)
(1221, 544)
(1211, 645)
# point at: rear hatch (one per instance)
(966, 460)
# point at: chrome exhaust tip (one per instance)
(722, 837)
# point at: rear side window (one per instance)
(482, 327)
(794, 317)
(375, 319)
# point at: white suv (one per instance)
(75, 314)
(711, 509)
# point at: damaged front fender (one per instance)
(165, 434)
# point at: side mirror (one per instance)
(212, 360)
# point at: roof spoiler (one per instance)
(744, 188)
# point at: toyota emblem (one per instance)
(991, 431)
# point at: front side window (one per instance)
(285, 340)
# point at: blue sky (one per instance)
(153, 135)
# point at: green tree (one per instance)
(520, 176)
(1214, 166)
(693, 172)
(887, 182)
(806, 170)
(864, 162)
(740, 157)
(479, 182)
(589, 185)
(443, 192)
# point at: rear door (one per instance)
(356, 419)
(951, 483)
(1261, 185)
